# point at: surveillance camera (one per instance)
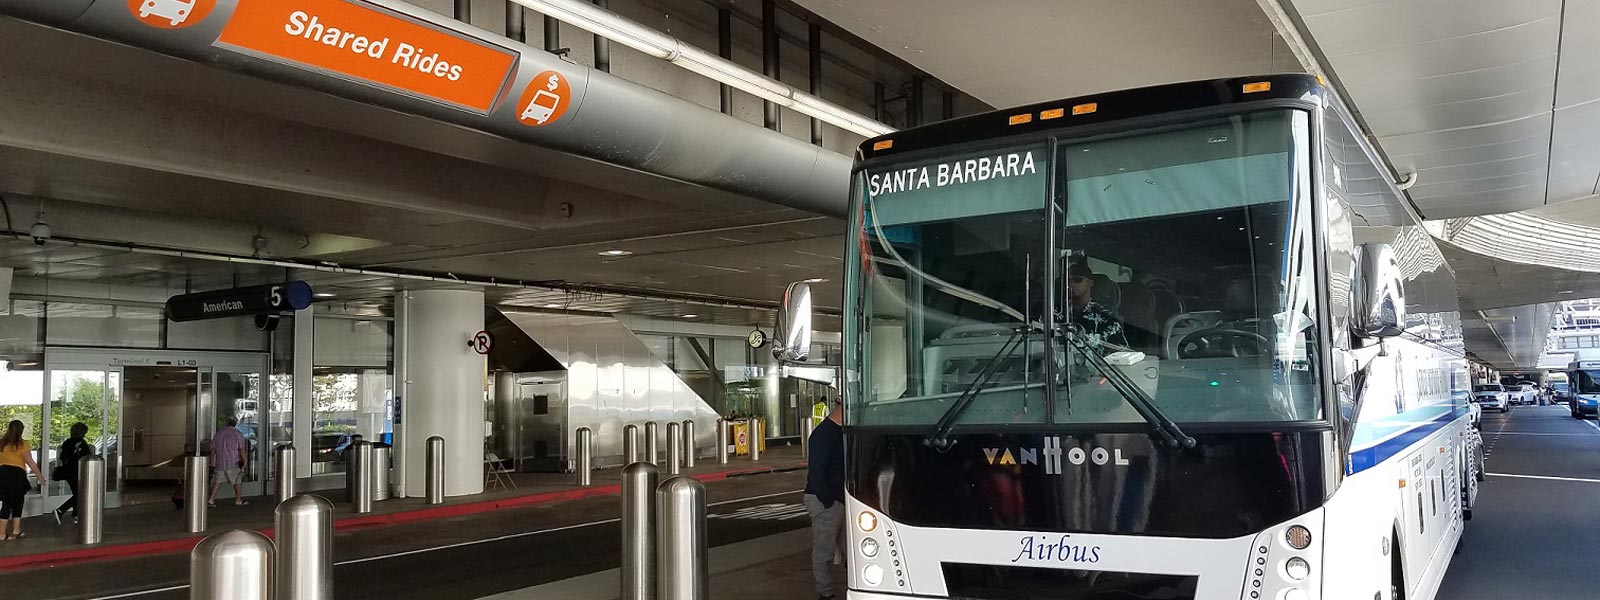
(40, 233)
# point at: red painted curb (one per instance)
(186, 544)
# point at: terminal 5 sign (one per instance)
(367, 43)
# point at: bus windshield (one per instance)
(1182, 256)
(1587, 382)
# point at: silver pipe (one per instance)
(232, 565)
(304, 527)
(756, 437)
(195, 472)
(585, 466)
(361, 480)
(688, 444)
(722, 441)
(674, 448)
(91, 498)
(805, 442)
(630, 444)
(652, 442)
(435, 470)
(283, 466)
(639, 481)
(681, 540)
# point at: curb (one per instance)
(433, 513)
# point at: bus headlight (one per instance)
(867, 521)
(869, 547)
(1298, 537)
(872, 574)
(1297, 568)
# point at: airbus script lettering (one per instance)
(1042, 549)
(951, 173)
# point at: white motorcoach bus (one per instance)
(1180, 342)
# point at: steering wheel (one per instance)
(1208, 343)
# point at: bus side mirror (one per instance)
(1377, 293)
(794, 324)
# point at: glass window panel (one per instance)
(237, 333)
(22, 399)
(84, 324)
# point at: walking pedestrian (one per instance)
(16, 455)
(227, 462)
(73, 449)
(824, 497)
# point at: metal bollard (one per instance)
(232, 565)
(630, 444)
(91, 498)
(380, 471)
(674, 448)
(435, 471)
(688, 444)
(652, 442)
(681, 555)
(805, 442)
(585, 460)
(196, 472)
(304, 526)
(756, 436)
(639, 482)
(283, 466)
(361, 481)
(722, 441)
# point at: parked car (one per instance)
(1492, 396)
(1477, 414)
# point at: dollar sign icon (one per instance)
(555, 80)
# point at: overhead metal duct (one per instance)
(390, 53)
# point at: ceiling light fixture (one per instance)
(690, 316)
(816, 280)
(322, 295)
(607, 24)
(615, 252)
(552, 305)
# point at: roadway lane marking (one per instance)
(1545, 477)
(461, 544)
(1592, 424)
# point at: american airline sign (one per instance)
(1052, 454)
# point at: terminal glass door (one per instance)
(91, 396)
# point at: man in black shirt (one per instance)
(825, 496)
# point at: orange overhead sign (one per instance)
(367, 43)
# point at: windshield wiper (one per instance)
(1164, 427)
(940, 438)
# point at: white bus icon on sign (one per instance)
(174, 11)
(541, 107)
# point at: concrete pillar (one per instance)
(442, 393)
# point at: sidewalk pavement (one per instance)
(776, 567)
(148, 529)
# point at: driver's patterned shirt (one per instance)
(1098, 326)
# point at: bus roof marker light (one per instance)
(883, 144)
(1085, 108)
(1054, 113)
(1021, 119)
(1257, 87)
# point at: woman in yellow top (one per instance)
(15, 454)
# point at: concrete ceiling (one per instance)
(1494, 105)
(1024, 51)
(181, 155)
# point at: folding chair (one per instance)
(495, 473)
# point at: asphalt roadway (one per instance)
(1535, 532)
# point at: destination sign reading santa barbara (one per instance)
(997, 181)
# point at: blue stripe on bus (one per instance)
(1366, 458)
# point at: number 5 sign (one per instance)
(481, 342)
